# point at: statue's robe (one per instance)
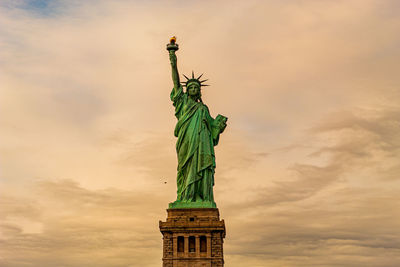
(197, 135)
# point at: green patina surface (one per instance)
(192, 205)
(197, 134)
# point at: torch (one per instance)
(172, 46)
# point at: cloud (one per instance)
(369, 139)
(342, 227)
(81, 226)
(342, 213)
(307, 170)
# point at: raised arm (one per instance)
(172, 47)
(175, 73)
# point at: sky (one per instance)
(307, 169)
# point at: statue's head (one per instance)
(194, 89)
(193, 86)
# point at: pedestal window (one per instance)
(192, 244)
(181, 243)
(203, 244)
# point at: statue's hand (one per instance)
(222, 126)
(221, 122)
(172, 58)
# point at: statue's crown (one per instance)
(193, 79)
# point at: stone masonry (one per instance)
(193, 238)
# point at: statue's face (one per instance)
(193, 89)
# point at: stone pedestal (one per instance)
(193, 238)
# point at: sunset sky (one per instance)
(308, 169)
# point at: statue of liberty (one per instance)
(197, 134)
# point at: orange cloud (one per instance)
(310, 154)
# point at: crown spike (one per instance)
(203, 81)
(192, 75)
(186, 77)
(200, 76)
(205, 85)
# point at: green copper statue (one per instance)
(197, 134)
